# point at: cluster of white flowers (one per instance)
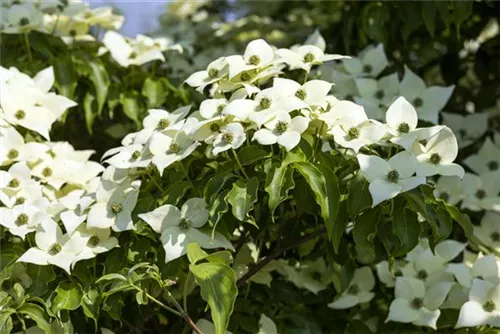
(69, 20)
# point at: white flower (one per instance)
(28, 103)
(178, 228)
(231, 136)
(481, 192)
(370, 62)
(385, 275)
(389, 178)
(171, 147)
(313, 92)
(162, 120)
(488, 232)
(358, 291)
(427, 100)
(102, 16)
(96, 241)
(114, 206)
(485, 268)
(450, 189)
(438, 154)
(258, 54)
(487, 158)
(467, 128)
(211, 108)
(376, 95)
(21, 219)
(215, 71)
(413, 304)
(267, 325)
(302, 274)
(21, 18)
(52, 247)
(282, 130)
(306, 56)
(75, 216)
(132, 156)
(483, 307)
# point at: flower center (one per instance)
(227, 137)
(72, 33)
(353, 133)
(20, 200)
(417, 303)
(47, 172)
(435, 158)
(51, 153)
(367, 68)
(93, 241)
(493, 165)
(116, 208)
(379, 94)
(136, 154)
(489, 306)
(220, 108)
(254, 60)
(185, 224)
(133, 55)
(174, 148)
(353, 289)
(418, 102)
(404, 127)
(495, 236)
(301, 94)
(213, 73)
(309, 57)
(480, 194)
(22, 219)
(214, 127)
(281, 127)
(24, 21)
(398, 273)
(422, 274)
(393, 176)
(20, 114)
(12, 154)
(245, 76)
(14, 183)
(163, 123)
(55, 249)
(265, 103)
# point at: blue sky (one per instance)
(140, 16)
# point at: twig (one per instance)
(239, 164)
(277, 251)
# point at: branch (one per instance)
(277, 251)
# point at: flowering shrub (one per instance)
(286, 177)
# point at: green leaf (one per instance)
(429, 12)
(463, 220)
(69, 297)
(242, 197)
(111, 277)
(42, 276)
(6, 324)
(359, 195)
(218, 208)
(278, 183)
(323, 183)
(217, 282)
(131, 106)
(90, 304)
(89, 107)
(141, 297)
(340, 226)
(65, 75)
(365, 230)
(250, 154)
(100, 78)
(373, 21)
(174, 193)
(416, 203)
(115, 261)
(407, 227)
(155, 91)
(195, 253)
(38, 314)
(215, 185)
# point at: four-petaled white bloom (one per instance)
(376, 95)
(489, 230)
(178, 228)
(370, 62)
(231, 136)
(483, 307)
(306, 56)
(358, 291)
(486, 160)
(481, 192)
(389, 178)
(283, 130)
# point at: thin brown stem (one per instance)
(277, 251)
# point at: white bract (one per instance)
(306, 56)
(370, 62)
(283, 130)
(414, 304)
(377, 95)
(178, 228)
(358, 291)
(483, 307)
(481, 192)
(389, 178)
(428, 101)
(450, 189)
